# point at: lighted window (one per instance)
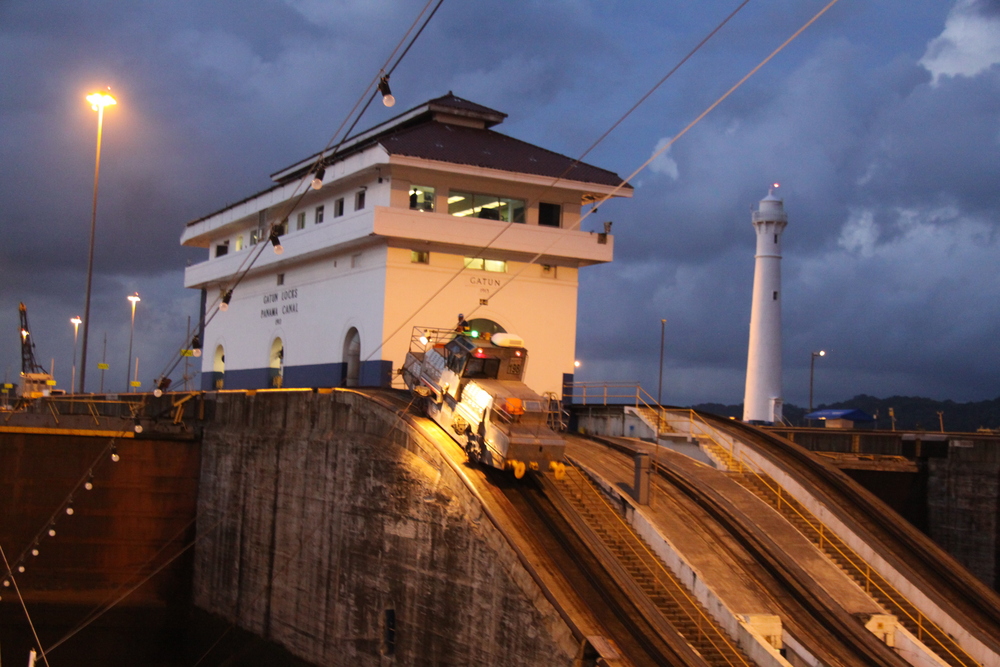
(239, 243)
(359, 200)
(319, 214)
(549, 215)
(420, 257)
(338, 208)
(480, 264)
(300, 221)
(421, 198)
(488, 207)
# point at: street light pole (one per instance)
(97, 102)
(812, 368)
(76, 328)
(659, 386)
(134, 298)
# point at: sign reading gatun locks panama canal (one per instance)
(288, 300)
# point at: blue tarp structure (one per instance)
(850, 415)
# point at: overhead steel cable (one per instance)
(296, 198)
(17, 589)
(672, 141)
(566, 171)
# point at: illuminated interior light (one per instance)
(455, 198)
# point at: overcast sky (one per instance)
(881, 122)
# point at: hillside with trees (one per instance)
(911, 413)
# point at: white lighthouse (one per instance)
(762, 400)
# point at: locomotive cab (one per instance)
(475, 390)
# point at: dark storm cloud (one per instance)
(885, 142)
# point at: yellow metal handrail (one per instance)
(660, 573)
(921, 621)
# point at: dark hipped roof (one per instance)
(425, 132)
(477, 147)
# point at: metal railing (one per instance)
(680, 596)
(618, 393)
(828, 539)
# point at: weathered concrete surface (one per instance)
(320, 512)
(964, 506)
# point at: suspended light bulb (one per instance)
(383, 87)
(276, 242)
(6, 583)
(196, 345)
(70, 510)
(138, 426)
(114, 454)
(227, 296)
(317, 182)
(89, 484)
(34, 552)
(20, 568)
(52, 532)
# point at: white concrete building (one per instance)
(762, 400)
(423, 217)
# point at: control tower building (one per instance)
(409, 223)
(762, 400)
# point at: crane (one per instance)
(35, 382)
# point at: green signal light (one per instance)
(474, 333)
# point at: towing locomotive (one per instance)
(473, 389)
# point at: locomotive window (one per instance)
(482, 368)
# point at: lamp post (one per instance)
(134, 298)
(97, 102)
(659, 386)
(812, 368)
(76, 328)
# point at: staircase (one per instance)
(655, 418)
(649, 573)
(933, 637)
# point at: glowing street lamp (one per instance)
(134, 298)
(812, 368)
(75, 321)
(97, 102)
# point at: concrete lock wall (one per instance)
(963, 506)
(329, 527)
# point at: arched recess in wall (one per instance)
(276, 363)
(352, 358)
(219, 367)
(486, 328)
